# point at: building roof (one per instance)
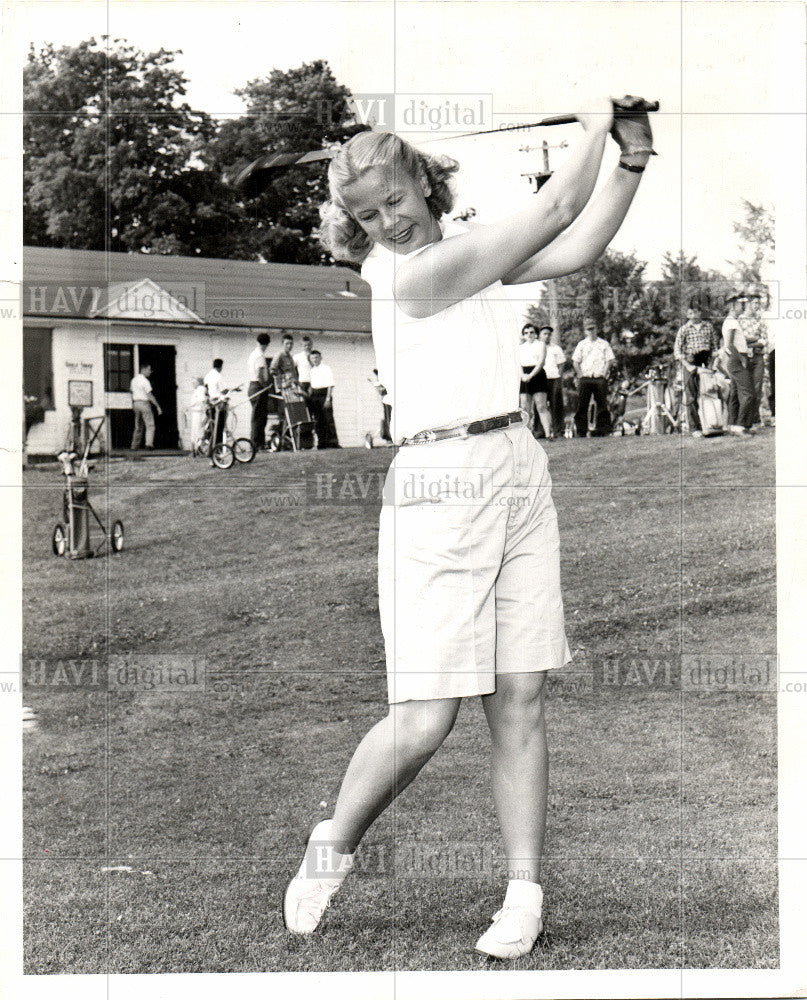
(220, 292)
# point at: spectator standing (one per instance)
(695, 346)
(303, 363)
(258, 391)
(772, 374)
(737, 364)
(592, 360)
(532, 354)
(321, 402)
(283, 367)
(216, 394)
(142, 402)
(553, 366)
(197, 412)
(756, 339)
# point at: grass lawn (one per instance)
(661, 848)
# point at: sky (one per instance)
(726, 74)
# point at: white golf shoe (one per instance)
(320, 877)
(512, 934)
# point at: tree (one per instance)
(640, 318)
(757, 243)
(296, 110)
(612, 291)
(109, 152)
(684, 281)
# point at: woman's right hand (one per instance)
(599, 117)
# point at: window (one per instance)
(118, 367)
(37, 366)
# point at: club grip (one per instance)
(619, 112)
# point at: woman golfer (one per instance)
(469, 574)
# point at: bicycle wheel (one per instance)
(222, 456)
(244, 450)
(59, 540)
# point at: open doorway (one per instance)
(121, 362)
(163, 378)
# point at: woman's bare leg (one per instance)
(385, 762)
(520, 767)
(543, 413)
(526, 404)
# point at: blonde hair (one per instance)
(339, 232)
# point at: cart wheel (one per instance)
(59, 540)
(222, 456)
(244, 450)
(274, 442)
(116, 536)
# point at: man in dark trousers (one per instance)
(258, 391)
(592, 360)
(321, 402)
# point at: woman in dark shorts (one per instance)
(534, 386)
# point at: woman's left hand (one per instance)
(632, 131)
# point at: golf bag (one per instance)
(711, 410)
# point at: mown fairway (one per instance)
(662, 825)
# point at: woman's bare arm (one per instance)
(587, 239)
(456, 268)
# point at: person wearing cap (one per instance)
(553, 366)
(737, 364)
(756, 339)
(695, 346)
(592, 360)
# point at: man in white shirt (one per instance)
(738, 365)
(258, 391)
(592, 360)
(216, 394)
(303, 362)
(321, 402)
(142, 402)
(553, 366)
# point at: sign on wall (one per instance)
(79, 392)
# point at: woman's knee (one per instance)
(517, 707)
(422, 726)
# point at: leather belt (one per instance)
(465, 430)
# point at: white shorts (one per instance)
(469, 566)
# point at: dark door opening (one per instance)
(163, 378)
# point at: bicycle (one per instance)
(230, 449)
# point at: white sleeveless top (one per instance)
(459, 365)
